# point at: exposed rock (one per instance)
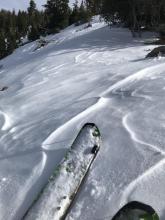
(3, 88)
(41, 43)
(158, 51)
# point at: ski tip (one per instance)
(136, 210)
(89, 134)
(96, 131)
(89, 125)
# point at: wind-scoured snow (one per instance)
(97, 75)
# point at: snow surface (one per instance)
(94, 75)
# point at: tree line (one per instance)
(136, 14)
(31, 24)
(56, 15)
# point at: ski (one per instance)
(136, 211)
(57, 197)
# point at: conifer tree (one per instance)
(135, 13)
(32, 12)
(33, 33)
(34, 22)
(2, 45)
(91, 7)
(32, 8)
(75, 14)
(11, 42)
(57, 12)
(22, 23)
(15, 26)
(84, 13)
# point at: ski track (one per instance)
(56, 69)
(83, 57)
(79, 57)
(134, 94)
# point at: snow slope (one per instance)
(84, 75)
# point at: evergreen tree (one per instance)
(2, 45)
(33, 33)
(14, 27)
(11, 42)
(135, 13)
(32, 13)
(57, 12)
(32, 8)
(92, 7)
(22, 23)
(75, 14)
(84, 14)
(34, 21)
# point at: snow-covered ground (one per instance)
(93, 75)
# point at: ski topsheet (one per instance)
(64, 183)
(136, 211)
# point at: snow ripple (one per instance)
(80, 118)
(148, 72)
(151, 171)
(135, 138)
(144, 73)
(7, 121)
